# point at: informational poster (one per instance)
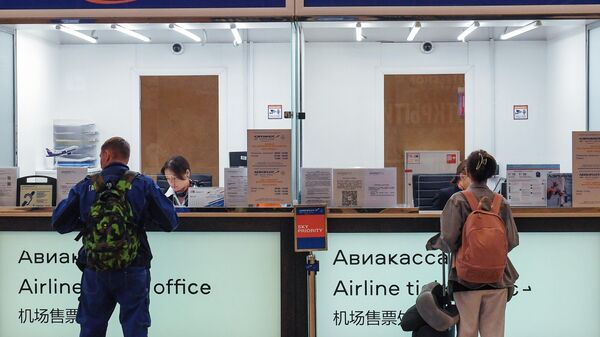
(310, 228)
(348, 187)
(316, 186)
(527, 184)
(8, 186)
(367, 281)
(198, 282)
(68, 177)
(269, 167)
(364, 187)
(586, 169)
(559, 191)
(206, 196)
(35, 195)
(236, 187)
(380, 185)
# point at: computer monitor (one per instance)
(203, 179)
(162, 183)
(426, 186)
(238, 159)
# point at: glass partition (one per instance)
(386, 93)
(594, 77)
(375, 94)
(7, 132)
(189, 89)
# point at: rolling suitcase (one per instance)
(433, 315)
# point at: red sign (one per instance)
(310, 228)
(451, 159)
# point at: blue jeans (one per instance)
(100, 293)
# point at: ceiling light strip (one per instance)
(358, 31)
(130, 33)
(75, 33)
(519, 31)
(185, 32)
(237, 38)
(468, 31)
(413, 31)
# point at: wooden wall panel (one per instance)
(421, 113)
(180, 115)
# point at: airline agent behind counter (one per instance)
(177, 172)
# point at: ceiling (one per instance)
(374, 31)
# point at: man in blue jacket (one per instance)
(102, 290)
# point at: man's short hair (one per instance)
(460, 169)
(118, 146)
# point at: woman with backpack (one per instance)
(478, 228)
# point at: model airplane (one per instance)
(58, 153)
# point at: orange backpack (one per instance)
(483, 253)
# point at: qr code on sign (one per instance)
(349, 198)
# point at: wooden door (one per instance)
(180, 115)
(421, 113)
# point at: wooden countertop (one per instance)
(334, 213)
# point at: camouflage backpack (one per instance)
(110, 238)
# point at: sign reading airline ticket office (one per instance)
(367, 281)
(202, 285)
(310, 228)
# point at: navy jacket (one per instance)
(442, 196)
(150, 209)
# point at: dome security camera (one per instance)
(177, 48)
(426, 47)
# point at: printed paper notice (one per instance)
(559, 190)
(586, 169)
(527, 184)
(316, 186)
(205, 196)
(269, 167)
(236, 187)
(348, 187)
(68, 177)
(380, 187)
(36, 196)
(8, 186)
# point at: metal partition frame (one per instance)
(8, 127)
(596, 27)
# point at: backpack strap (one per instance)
(126, 180)
(129, 176)
(496, 203)
(473, 203)
(97, 182)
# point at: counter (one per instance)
(339, 220)
(249, 254)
